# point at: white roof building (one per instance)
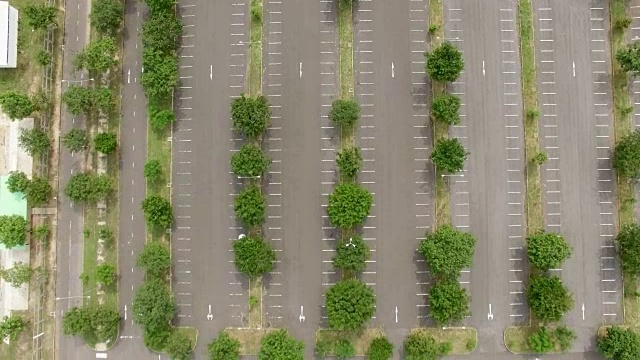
(8, 35)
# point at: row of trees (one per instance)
(95, 324)
(278, 344)
(36, 190)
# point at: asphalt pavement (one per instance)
(576, 130)
(69, 239)
(487, 196)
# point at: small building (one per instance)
(8, 35)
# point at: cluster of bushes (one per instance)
(95, 324)
(619, 343)
(37, 190)
(13, 230)
(278, 344)
(420, 345)
(18, 105)
(444, 64)
(546, 340)
(88, 187)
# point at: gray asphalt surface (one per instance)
(292, 83)
(576, 130)
(487, 196)
(213, 55)
(394, 135)
(70, 216)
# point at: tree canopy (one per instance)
(224, 347)
(39, 191)
(444, 63)
(619, 344)
(161, 31)
(447, 251)
(448, 302)
(18, 182)
(445, 108)
(16, 104)
(105, 321)
(158, 6)
(449, 155)
(250, 206)
(253, 256)
(20, 273)
(251, 116)
(349, 205)
(76, 321)
(541, 341)
(153, 306)
(380, 349)
(161, 118)
(98, 56)
(250, 161)
(12, 326)
(547, 250)
(349, 161)
(419, 346)
(351, 255)
(34, 141)
(106, 274)
(154, 258)
(344, 112)
(105, 142)
(106, 16)
(78, 99)
(88, 187)
(157, 210)
(626, 157)
(40, 16)
(179, 345)
(628, 244)
(13, 230)
(153, 170)
(280, 345)
(548, 297)
(629, 58)
(76, 140)
(160, 74)
(349, 305)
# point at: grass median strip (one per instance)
(255, 48)
(359, 340)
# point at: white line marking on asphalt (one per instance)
(211, 72)
(300, 70)
(483, 69)
(393, 74)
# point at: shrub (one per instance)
(105, 142)
(249, 206)
(153, 171)
(18, 182)
(345, 112)
(445, 108)
(250, 161)
(349, 161)
(349, 205)
(349, 305)
(253, 256)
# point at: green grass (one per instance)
(360, 341)
(345, 39)
(255, 310)
(255, 50)
(516, 339)
(158, 148)
(463, 340)
(443, 208)
(249, 339)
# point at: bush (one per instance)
(628, 246)
(418, 346)
(11, 327)
(158, 339)
(565, 337)
(548, 298)
(380, 349)
(153, 171)
(157, 211)
(547, 250)
(106, 16)
(540, 158)
(43, 57)
(179, 345)
(78, 99)
(35, 142)
(249, 206)
(253, 256)
(280, 345)
(76, 321)
(153, 306)
(349, 205)
(158, 6)
(87, 187)
(13, 230)
(224, 348)
(444, 63)
(351, 255)
(154, 259)
(619, 344)
(76, 140)
(250, 161)
(39, 192)
(105, 321)
(349, 161)
(40, 16)
(161, 118)
(541, 342)
(98, 56)
(105, 142)
(629, 58)
(256, 12)
(448, 251)
(345, 112)
(250, 115)
(445, 108)
(345, 349)
(160, 74)
(349, 305)
(626, 157)
(448, 302)
(161, 31)
(17, 275)
(16, 105)
(106, 274)
(18, 182)
(449, 155)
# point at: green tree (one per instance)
(157, 339)
(105, 142)
(629, 58)
(380, 349)
(541, 341)
(106, 274)
(13, 230)
(161, 31)
(78, 99)
(444, 63)
(280, 345)
(224, 347)
(160, 74)
(448, 302)
(105, 321)
(43, 57)
(564, 337)
(349, 205)
(39, 191)
(628, 245)
(547, 250)
(16, 104)
(179, 345)
(157, 6)
(102, 99)
(11, 327)
(419, 346)
(153, 171)
(155, 259)
(76, 321)
(253, 256)
(351, 255)
(449, 155)
(41, 233)
(448, 251)
(626, 157)
(18, 182)
(106, 16)
(40, 16)
(250, 115)
(153, 306)
(157, 210)
(250, 161)
(17, 275)
(619, 344)
(446, 108)
(249, 206)
(345, 349)
(34, 141)
(349, 161)
(548, 298)
(98, 56)
(76, 140)
(87, 187)
(345, 112)
(349, 305)
(161, 118)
